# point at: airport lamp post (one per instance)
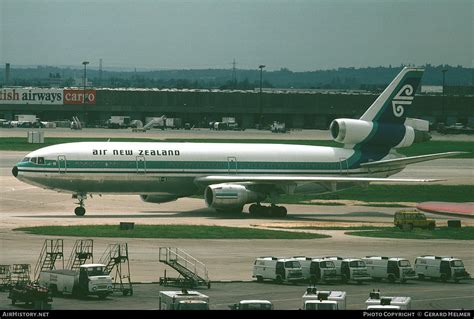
(260, 120)
(84, 89)
(443, 98)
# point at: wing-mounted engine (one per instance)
(158, 198)
(351, 132)
(229, 196)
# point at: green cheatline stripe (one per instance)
(368, 138)
(183, 165)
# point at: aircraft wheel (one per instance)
(391, 278)
(80, 211)
(282, 211)
(278, 211)
(254, 209)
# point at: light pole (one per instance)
(260, 120)
(443, 98)
(84, 90)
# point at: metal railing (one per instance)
(178, 256)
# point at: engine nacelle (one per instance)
(158, 198)
(352, 131)
(229, 196)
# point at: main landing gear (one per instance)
(270, 211)
(80, 210)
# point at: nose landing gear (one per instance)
(80, 210)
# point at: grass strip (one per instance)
(464, 233)
(168, 231)
(391, 193)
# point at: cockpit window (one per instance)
(33, 160)
(26, 159)
(41, 160)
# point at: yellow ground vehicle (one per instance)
(410, 219)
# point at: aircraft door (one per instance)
(141, 165)
(62, 165)
(232, 165)
(344, 167)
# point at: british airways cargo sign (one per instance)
(46, 96)
(78, 96)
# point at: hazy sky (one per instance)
(299, 35)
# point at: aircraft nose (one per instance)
(15, 171)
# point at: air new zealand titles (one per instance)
(138, 152)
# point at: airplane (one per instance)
(232, 175)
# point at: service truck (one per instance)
(390, 268)
(183, 300)
(26, 120)
(278, 127)
(90, 279)
(438, 267)
(324, 300)
(118, 122)
(31, 293)
(350, 269)
(174, 123)
(252, 305)
(378, 302)
(316, 269)
(277, 269)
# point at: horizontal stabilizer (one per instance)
(410, 160)
(267, 179)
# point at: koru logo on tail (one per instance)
(403, 97)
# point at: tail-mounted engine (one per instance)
(352, 132)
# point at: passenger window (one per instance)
(41, 160)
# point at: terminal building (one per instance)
(309, 109)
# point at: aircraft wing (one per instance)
(409, 160)
(268, 179)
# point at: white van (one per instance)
(316, 269)
(443, 268)
(350, 269)
(390, 268)
(277, 269)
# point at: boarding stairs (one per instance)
(116, 257)
(81, 253)
(161, 121)
(51, 252)
(194, 273)
(76, 123)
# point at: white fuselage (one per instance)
(171, 168)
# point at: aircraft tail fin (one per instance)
(389, 107)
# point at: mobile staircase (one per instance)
(161, 121)
(116, 257)
(81, 253)
(76, 123)
(52, 251)
(193, 273)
